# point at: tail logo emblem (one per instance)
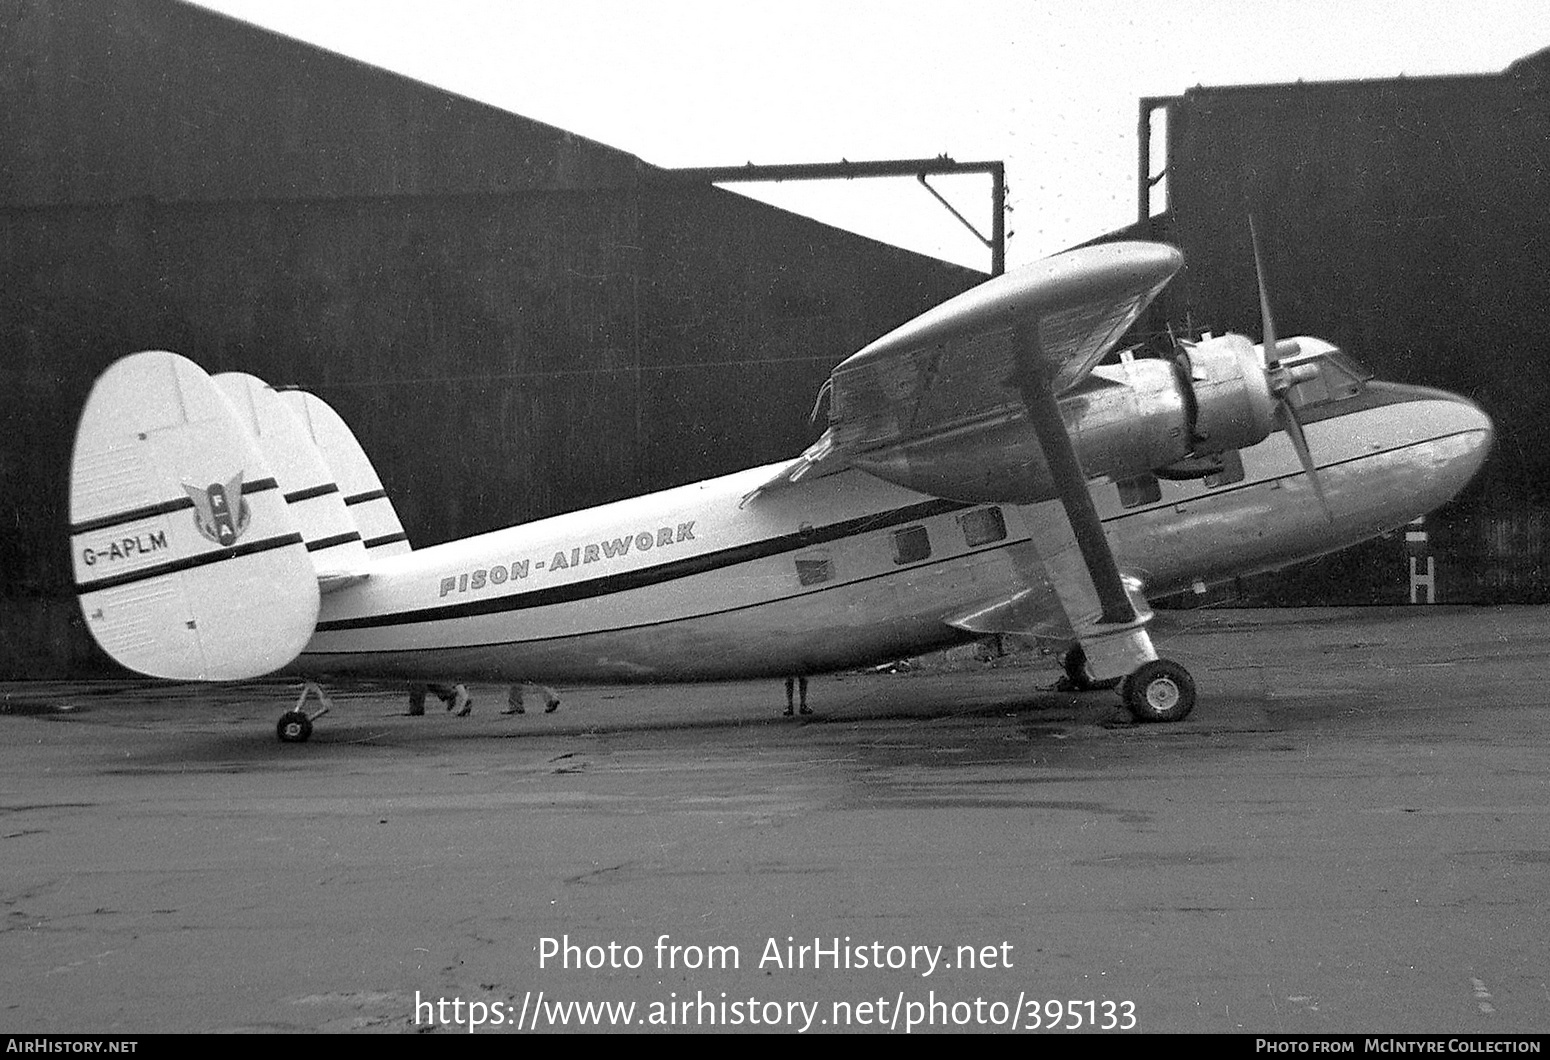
(219, 510)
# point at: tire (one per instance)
(294, 727)
(1160, 690)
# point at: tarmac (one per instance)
(1350, 834)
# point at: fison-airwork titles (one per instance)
(788, 954)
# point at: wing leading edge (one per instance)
(960, 364)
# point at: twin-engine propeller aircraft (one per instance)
(981, 473)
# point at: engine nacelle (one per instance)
(1124, 421)
(1139, 417)
(1234, 407)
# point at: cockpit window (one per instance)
(1340, 376)
(1352, 365)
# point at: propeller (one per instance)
(1282, 380)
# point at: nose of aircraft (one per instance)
(1461, 435)
(1426, 444)
(1475, 431)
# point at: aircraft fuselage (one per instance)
(843, 570)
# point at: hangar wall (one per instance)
(1407, 221)
(515, 321)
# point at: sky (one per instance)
(1050, 87)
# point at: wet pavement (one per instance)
(1350, 834)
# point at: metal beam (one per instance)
(841, 170)
(1144, 179)
(847, 170)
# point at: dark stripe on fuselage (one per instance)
(386, 539)
(1390, 394)
(330, 542)
(405, 618)
(102, 522)
(362, 498)
(834, 586)
(188, 563)
(312, 491)
(662, 572)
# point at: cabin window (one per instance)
(814, 569)
(982, 526)
(1144, 489)
(1232, 470)
(911, 545)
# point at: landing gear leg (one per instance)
(1160, 690)
(1074, 662)
(295, 725)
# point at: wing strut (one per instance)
(1106, 616)
(1044, 413)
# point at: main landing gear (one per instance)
(1160, 690)
(295, 725)
(1074, 663)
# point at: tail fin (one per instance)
(187, 562)
(368, 503)
(306, 481)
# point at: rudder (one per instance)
(306, 481)
(381, 531)
(187, 563)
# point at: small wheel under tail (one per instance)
(294, 727)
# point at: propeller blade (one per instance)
(1281, 381)
(1287, 418)
(1268, 324)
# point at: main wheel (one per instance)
(1160, 690)
(294, 727)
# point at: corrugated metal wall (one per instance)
(515, 322)
(1407, 221)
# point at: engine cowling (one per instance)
(1239, 394)
(1124, 421)
(1233, 406)
(1139, 417)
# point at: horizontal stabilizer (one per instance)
(187, 562)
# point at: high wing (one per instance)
(998, 355)
(959, 364)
